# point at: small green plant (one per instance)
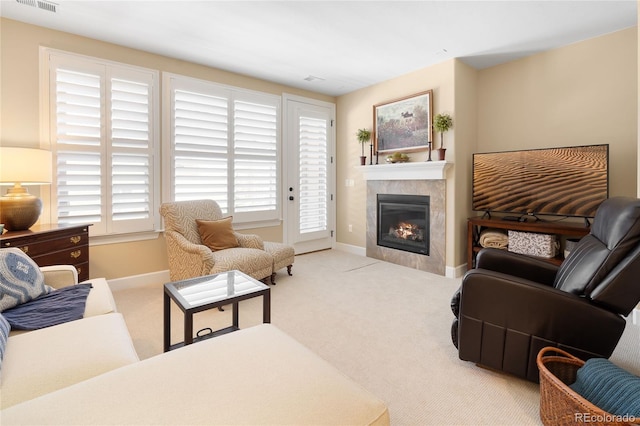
(364, 136)
(442, 123)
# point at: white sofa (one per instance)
(87, 372)
(42, 361)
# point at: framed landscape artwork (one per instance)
(404, 124)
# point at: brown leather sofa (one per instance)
(511, 306)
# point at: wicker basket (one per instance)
(559, 404)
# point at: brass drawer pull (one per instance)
(75, 239)
(25, 249)
(76, 254)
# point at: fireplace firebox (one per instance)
(403, 222)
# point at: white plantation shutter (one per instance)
(255, 157)
(200, 147)
(132, 152)
(78, 107)
(313, 175)
(104, 143)
(224, 146)
(130, 197)
(77, 145)
(78, 183)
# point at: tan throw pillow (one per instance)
(217, 234)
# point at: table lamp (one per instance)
(22, 166)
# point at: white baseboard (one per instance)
(455, 271)
(158, 277)
(360, 251)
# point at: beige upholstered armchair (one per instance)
(189, 257)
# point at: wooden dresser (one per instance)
(53, 245)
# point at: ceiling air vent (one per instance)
(313, 78)
(40, 4)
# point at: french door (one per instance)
(309, 178)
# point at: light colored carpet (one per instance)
(385, 326)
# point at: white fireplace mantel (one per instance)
(425, 170)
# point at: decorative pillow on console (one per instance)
(217, 234)
(20, 279)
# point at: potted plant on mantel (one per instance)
(442, 123)
(364, 136)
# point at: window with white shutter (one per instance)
(255, 139)
(104, 140)
(223, 144)
(199, 147)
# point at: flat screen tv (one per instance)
(567, 181)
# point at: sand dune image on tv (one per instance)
(567, 181)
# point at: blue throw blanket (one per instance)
(59, 306)
(609, 387)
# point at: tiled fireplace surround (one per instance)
(425, 178)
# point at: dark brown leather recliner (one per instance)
(512, 305)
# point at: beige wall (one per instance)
(20, 120)
(584, 93)
(454, 92)
(581, 94)
(465, 126)
(355, 111)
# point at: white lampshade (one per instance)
(25, 166)
(22, 166)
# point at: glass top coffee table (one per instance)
(212, 291)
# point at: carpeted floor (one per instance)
(385, 326)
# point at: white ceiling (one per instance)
(347, 44)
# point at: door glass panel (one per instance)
(313, 174)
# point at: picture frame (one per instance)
(404, 124)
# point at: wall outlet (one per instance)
(350, 228)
